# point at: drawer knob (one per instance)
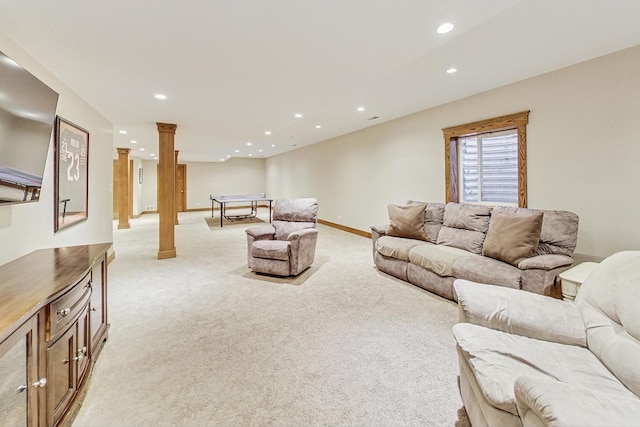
(40, 383)
(64, 311)
(81, 353)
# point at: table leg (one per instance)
(221, 212)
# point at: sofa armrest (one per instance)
(545, 262)
(381, 229)
(262, 232)
(545, 401)
(520, 312)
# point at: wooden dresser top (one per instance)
(32, 281)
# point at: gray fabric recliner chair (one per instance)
(287, 246)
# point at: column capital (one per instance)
(167, 127)
(123, 150)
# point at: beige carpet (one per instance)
(199, 340)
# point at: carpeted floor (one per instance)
(199, 340)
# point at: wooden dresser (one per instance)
(53, 321)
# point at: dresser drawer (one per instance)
(66, 308)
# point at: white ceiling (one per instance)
(232, 70)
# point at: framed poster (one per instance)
(71, 168)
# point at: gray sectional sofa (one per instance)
(432, 244)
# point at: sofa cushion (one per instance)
(559, 232)
(437, 258)
(464, 226)
(512, 237)
(433, 217)
(487, 270)
(462, 239)
(497, 359)
(406, 221)
(467, 216)
(396, 247)
(551, 402)
(297, 210)
(270, 249)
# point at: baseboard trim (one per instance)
(345, 228)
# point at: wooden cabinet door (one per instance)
(18, 372)
(61, 375)
(82, 344)
(97, 305)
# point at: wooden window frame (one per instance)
(516, 121)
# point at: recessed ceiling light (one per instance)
(152, 155)
(228, 155)
(250, 155)
(249, 143)
(297, 115)
(133, 141)
(360, 108)
(237, 151)
(267, 132)
(445, 28)
(452, 70)
(273, 145)
(222, 160)
(259, 151)
(123, 132)
(142, 149)
(318, 126)
(161, 96)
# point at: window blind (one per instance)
(489, 168)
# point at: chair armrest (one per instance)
(261, 232)
(301, 234)
(545, 401)
(545, 262)
(520, 312)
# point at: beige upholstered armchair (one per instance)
(287, 246)
(531, 360)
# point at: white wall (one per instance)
(234, 176)
(27, 227)
(583, 151)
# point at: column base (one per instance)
(167, 253)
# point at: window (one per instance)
(485, 161)
(488, 168)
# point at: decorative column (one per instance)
(166, 190)
(123, 188)
(175, 187)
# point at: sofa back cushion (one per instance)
(512, 237)
(608, 301)
(296, 210)
(291, 215)
(433, 217)
(559, 232)
(464, 226)
(406, 221)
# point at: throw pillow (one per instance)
(512, 237)
(407, 221)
